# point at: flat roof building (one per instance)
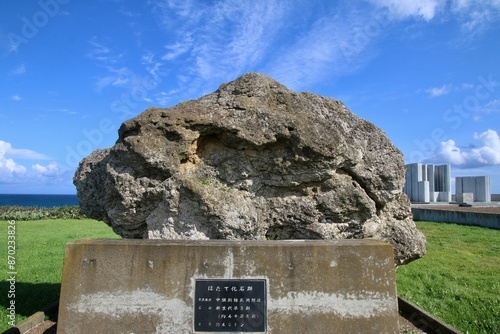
(428, 183)
(473, 189)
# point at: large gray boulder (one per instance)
(253, 160)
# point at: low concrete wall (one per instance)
(162, 286)
(494, 198)
(457, 217)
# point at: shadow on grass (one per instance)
(30, 297)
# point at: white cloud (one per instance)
(438, 91)
(449, 153)
(6, 149)
(9, 169)
(51, 170)
(402, 9)
(488, 154)
(15, 98)
(15, 173)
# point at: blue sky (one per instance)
(426, 72)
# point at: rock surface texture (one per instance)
(253, 160)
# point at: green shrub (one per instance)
(37, 213)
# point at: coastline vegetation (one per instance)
(23, 213)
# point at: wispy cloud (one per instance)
(121, 76)
(18, 70)
(209, 43)
(491, 107)
(220, 40)
(6, 150)
(99, 51)
(402, 9)
(242, 34)
(336, 44)
(476, 15)
(153, 66)
(178, 48)
(448, 88)
(15, 98)
(439, 91)
(116, 77)
(60, 110)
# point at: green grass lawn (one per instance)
(458, 280)
(39, 259)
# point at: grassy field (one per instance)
(39, 259)
(458, 280)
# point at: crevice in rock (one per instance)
(378, 205)
(284, 232)
(138, 167)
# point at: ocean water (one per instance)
(42, 201)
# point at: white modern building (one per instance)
(428, 183)
(473, 189)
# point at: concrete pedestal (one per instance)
(154, 286)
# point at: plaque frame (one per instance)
(230, 305)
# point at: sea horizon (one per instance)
(39, 200)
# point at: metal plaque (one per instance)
(230, 305)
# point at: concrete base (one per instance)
(148, 286)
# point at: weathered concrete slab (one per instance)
(148, 286)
